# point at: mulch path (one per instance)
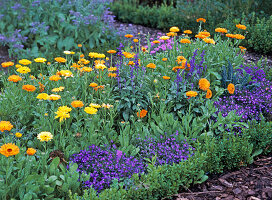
(253, 182)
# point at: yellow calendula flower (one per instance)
(209, 40)
(23, 70)
(90, 110)
(18, 135)
(66, 73)
(59, 89)
(191, 94)
(61, 114)
(45, 136)
(40, 60)
(174, 29)
(5, 126)
(54, 97)
(95, 105)
(100, 66)
(25, 62)
(164, 38)
(60, 60)
(43, 96)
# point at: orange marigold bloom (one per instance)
(142, 113)
(131, 63)
(128, 55)
(87, 69)
(231, 88)
(230, 35)
(93, 85)
(185, 41)
(128, 36)
(111, 51)
(79, 45)
(191, 94)
(207, 34)
(204, 84)
(164, 59)
(135, 40)
(81, 55)
(209, 94)
(156, 42)
(201, 20)
(54, 78)
(31, 151)
(29, 88)
(221, 30)
(209, 40)
(41, 86)
(112, 75)
(166, 77)
(187, 32)
(184, 64)
(60, 60)
(239, 36)
(7, 64)
(14, 78)
(174, 29)
(25, 62)
(77, 104)
(112, 69)
(240, 26)
(5, 126)
(200, 36)
(171, 34)
(151, 65)
(9, 149)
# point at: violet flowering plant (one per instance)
(103, 166)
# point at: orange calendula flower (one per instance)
(60, 60)
(171, 34)
(128, 55)
(100, 66)
(66, 73)
(205, 33)
(209, 40)
(240, 26)
(221, 30)
(5, 126)
(131, 63)
(77, 104)
(93, 85)
(142, 113)
(185, 41)
(40, 60)
(41, 86)
(79, 45)
(9, 149)
(164, 59)
(239, 36)
(204, 84)
(7, 64)
(128, 36)
(231, 88)
(87, 69)
(135, 40)
(187, 32)
(29, 88)
(151, 65)
(156, 41)
(25, 62)
(43, 96)
(99, 87)
(23, 70)
(14, 78)
(54, 78)
(112, 69)
(243, 49)
(81, 55)
(112, 75)
(111, 51)
(166, 77)
(174, 29)
(191, 94)
(209, 94)
(201, 20)
(31, 151)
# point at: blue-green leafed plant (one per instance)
(33, 28)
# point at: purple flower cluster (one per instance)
(167, 149)
(249, 104)
(106, 165)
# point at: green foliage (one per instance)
(58, 26)
(226, 152)
(31, 177)
(260, 37)
(259, 134)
